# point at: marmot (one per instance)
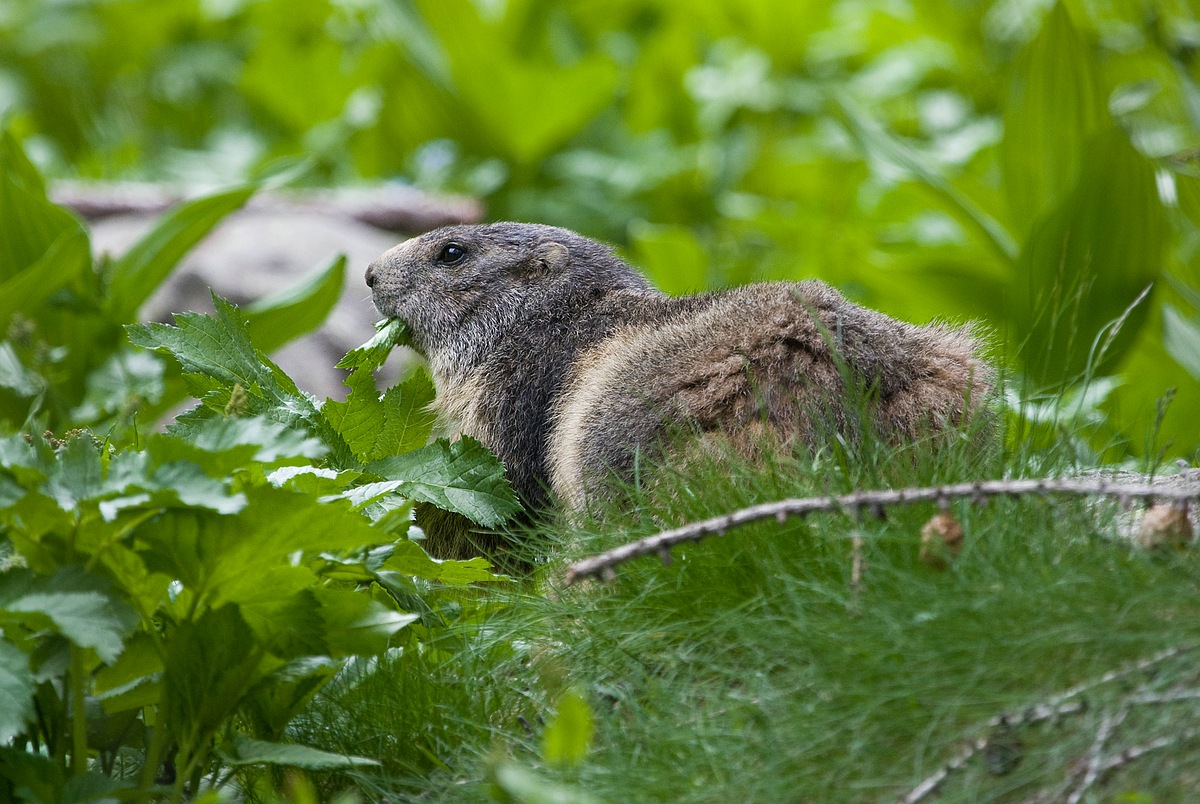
(566, 363)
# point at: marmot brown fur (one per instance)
(566, 363)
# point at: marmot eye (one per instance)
(451, 254)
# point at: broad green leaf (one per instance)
(20, 458)
(671, 257)
(127, 380)
(80, 606)
(324, 621)
(460, 476)
(16, 691)
(284, 694)
(525, 108)
(880, 145)
(134, 676)
(137, 274)
(518, 783)
(356, 625)
(15, 376)
(281, 317)
(77, 474)
(62, 263)
(30, 225)
(225, 557)
(409, 559)
(1181, 337)
(211, 664)
(247, 751)
(1056, 104)
(224, 443)
(39, 777)
(1187, 187)
(567, 737)
(1087, 261)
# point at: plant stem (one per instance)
(79, 751)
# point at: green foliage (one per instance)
(65, 357)
(176, 600)
(1025, 165)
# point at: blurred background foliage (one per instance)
(1029, 164)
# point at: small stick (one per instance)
(1060, 704)
(603, 564)
(1130, 754)
(1107, 725)
(857, 565)
(1027, 717)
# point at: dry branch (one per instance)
(1063, 703)
(390, 206)
(603, 565)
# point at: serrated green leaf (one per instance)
(374, 427)
(389, 334)
(460, 476)
(1181, 337)
(77, 475)
(247, 751)
(139, 272)
(216, 351)
(219, 347)
(16, 691)
(1086, 263)
(225, 443)
(80, 606)
(125, 381)
(567, 737)
(1056, 104)
(281, 317)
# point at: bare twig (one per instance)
(602, 565)
(387, 206)
(857, 564)
(1008, 720)
(1095, 761)
(1057, 705)
(1130, 754)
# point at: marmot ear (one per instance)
(550, 257)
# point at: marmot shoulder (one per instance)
(566, 363)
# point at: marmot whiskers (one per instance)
(565, 362)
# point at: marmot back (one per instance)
(567, 364)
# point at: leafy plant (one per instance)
(169, 605)
(67, 361)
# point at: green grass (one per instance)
(751, 669)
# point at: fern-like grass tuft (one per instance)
(815, 659)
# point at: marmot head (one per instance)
(459, 288)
